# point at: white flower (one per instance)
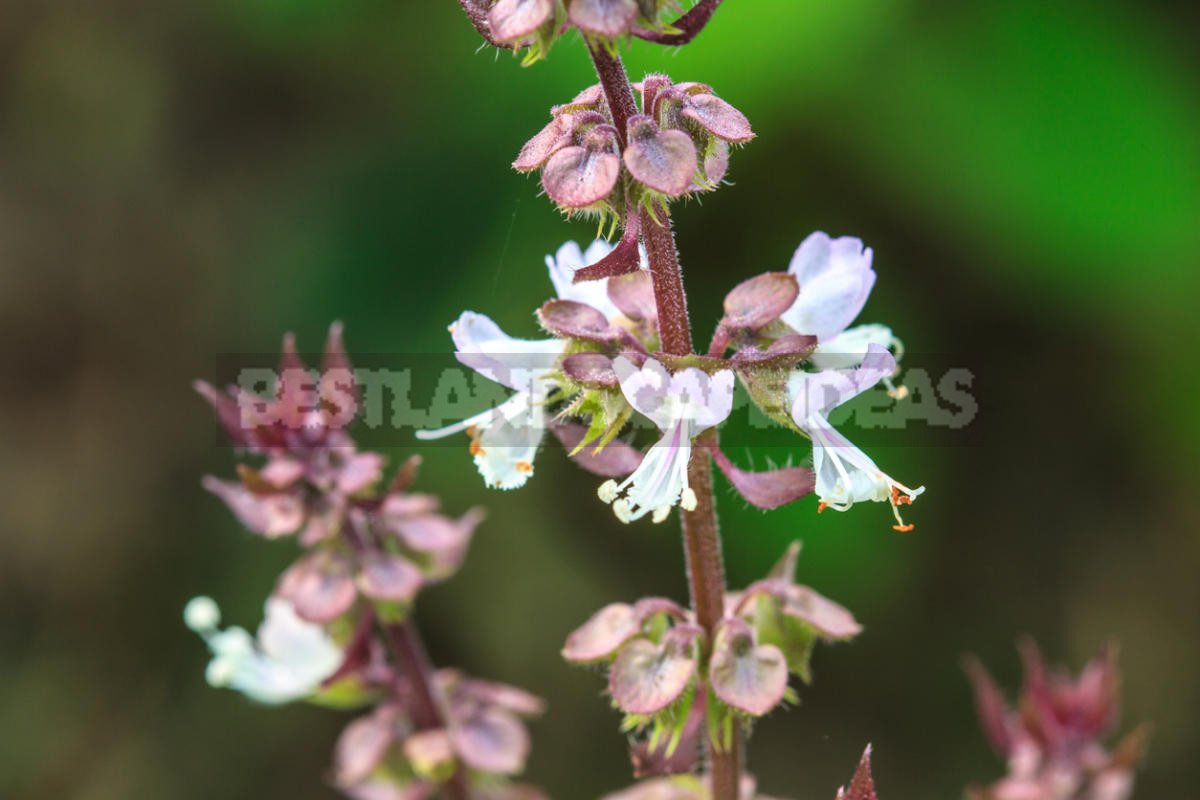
(844, 473)
(288, 661)
(682, 406)
(505, 439)
(835, 278)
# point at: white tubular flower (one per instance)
(835, 278)
(505, 439)
(845, 474)
(682, 405)
(288, 661)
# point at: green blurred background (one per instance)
(184, 179)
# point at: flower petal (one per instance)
(363, 744)
(756, 302)
(664, 160)
(593, 370)
(516, 363)
(817, 393)
(566, 264)
(320, 586)
(388, 577)
(270, 515)
(491, 740)
(580, 176)
(571, 320)
(603, 17)
(750, 678)
(835, 278)
(718, 117)
(602, 635)
(549, 140)
(633, 294)
(513, 20)
(647, 677)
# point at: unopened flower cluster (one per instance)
(1053, 741)
(366, 553)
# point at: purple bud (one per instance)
(549, 140)
(633, 294)
(429, 752)
(662, 160)
(748, 677)
(593, 370)
(862, 785)
(717, 117)
(569, 319)
(615, 460)
(360, 471)
(646, 677)
(363, 744)
(603, 17)
(513, 20)
(588, 99)
(757, 302)
(271, 515)
(602, 635)
(580, 176)
(319, 586)
(649, 761)
(990, 706)
(769, 489)
(650, 86)
(337, 376)
(829, 619)
(491, 740)
(429, 533)
(388, 577)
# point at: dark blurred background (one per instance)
(184, 179)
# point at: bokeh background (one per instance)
(183, 179)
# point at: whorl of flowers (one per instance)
(1053, 741)
(337, 630)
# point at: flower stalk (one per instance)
(701, 536)
(425, 704)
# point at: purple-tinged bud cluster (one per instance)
(484, 733)
(534, 25)
(678, 145)
(1054, 740)
(671, 683)
(336, 629)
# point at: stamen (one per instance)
(660, 513)
(688, 499)
(821, 506)
(904, 528)
(608, 491)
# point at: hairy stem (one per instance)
(701, 538)
(424, 704)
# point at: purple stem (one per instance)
(425, 703)
(689, 25)
(701, 538)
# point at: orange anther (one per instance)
(821, 506)
(476, 449)
(903, 528)
(524, 466)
